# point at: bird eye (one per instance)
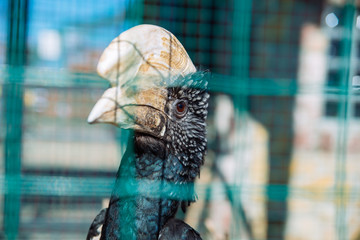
(180, 108)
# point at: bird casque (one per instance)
(157, 92)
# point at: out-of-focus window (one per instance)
(72, 33)
(333, 26)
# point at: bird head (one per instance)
(155, 89)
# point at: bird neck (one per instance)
(136, 211)
(143, 158)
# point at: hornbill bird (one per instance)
(158, 93)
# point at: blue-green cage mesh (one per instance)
(283, 125)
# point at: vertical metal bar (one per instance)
(240, 70)
(13, 107)
(134, 15)
(136, 11)
(343, 121)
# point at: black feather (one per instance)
(176, 229)
(96, 224)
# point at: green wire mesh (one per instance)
(283, 126)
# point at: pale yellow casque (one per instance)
(142, 51)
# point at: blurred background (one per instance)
(283, 126)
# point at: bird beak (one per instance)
(143, 110)
(140, 64)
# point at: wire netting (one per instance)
(283, 127)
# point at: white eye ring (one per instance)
(180, 108)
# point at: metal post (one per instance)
(13, 106)
(343, 120)
(240, 70)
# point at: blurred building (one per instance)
(283, 122)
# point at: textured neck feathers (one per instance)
(139, 216)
